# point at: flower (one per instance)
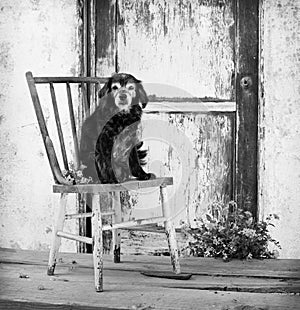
(248, 232)
(79, 174)
(76, 176)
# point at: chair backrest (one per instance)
(85, 84)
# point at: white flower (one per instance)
(79, 174)
(248, 232)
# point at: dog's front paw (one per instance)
(152, 176)
(147, 176)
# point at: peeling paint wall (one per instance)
(196, 149)
(279, 121)
(40, 36)
(186, 44)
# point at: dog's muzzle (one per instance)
(123, 99)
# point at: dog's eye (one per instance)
(115, 87)
(131, 87)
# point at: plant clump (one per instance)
(227, 231)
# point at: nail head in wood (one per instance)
(246, 82)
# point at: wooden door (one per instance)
(198, 62)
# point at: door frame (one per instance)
(246, 86)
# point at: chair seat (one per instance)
(126, 186)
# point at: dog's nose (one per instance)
(123, 96)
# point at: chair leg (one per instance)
(116, 233)
(170, 230)
(56, 241)
(81, 246)
(97, 242)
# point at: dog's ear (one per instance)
(142, 95)
(105, 89)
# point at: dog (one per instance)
(110, 146)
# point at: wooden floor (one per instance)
(239, 285)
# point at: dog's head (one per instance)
(126, 91)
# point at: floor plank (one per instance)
(272, 268)
(25, 285)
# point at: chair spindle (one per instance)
(37, 105)
(85, 102)
(58, 126)
(42, 124)
(73, 127)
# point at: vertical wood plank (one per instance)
(73, 127)
(88, 35)
(56, 241)
(92, 36)
(58, 126)
(97, 243)
(170, 230)
(116, 233)
(247, 104)
(86, 107)
(92, 88)
(86, 38)
(88, 69)
(106, 45)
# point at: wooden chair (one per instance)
(62, 185)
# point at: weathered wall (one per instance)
(280, 126)
(187, 44)
(40, 36)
